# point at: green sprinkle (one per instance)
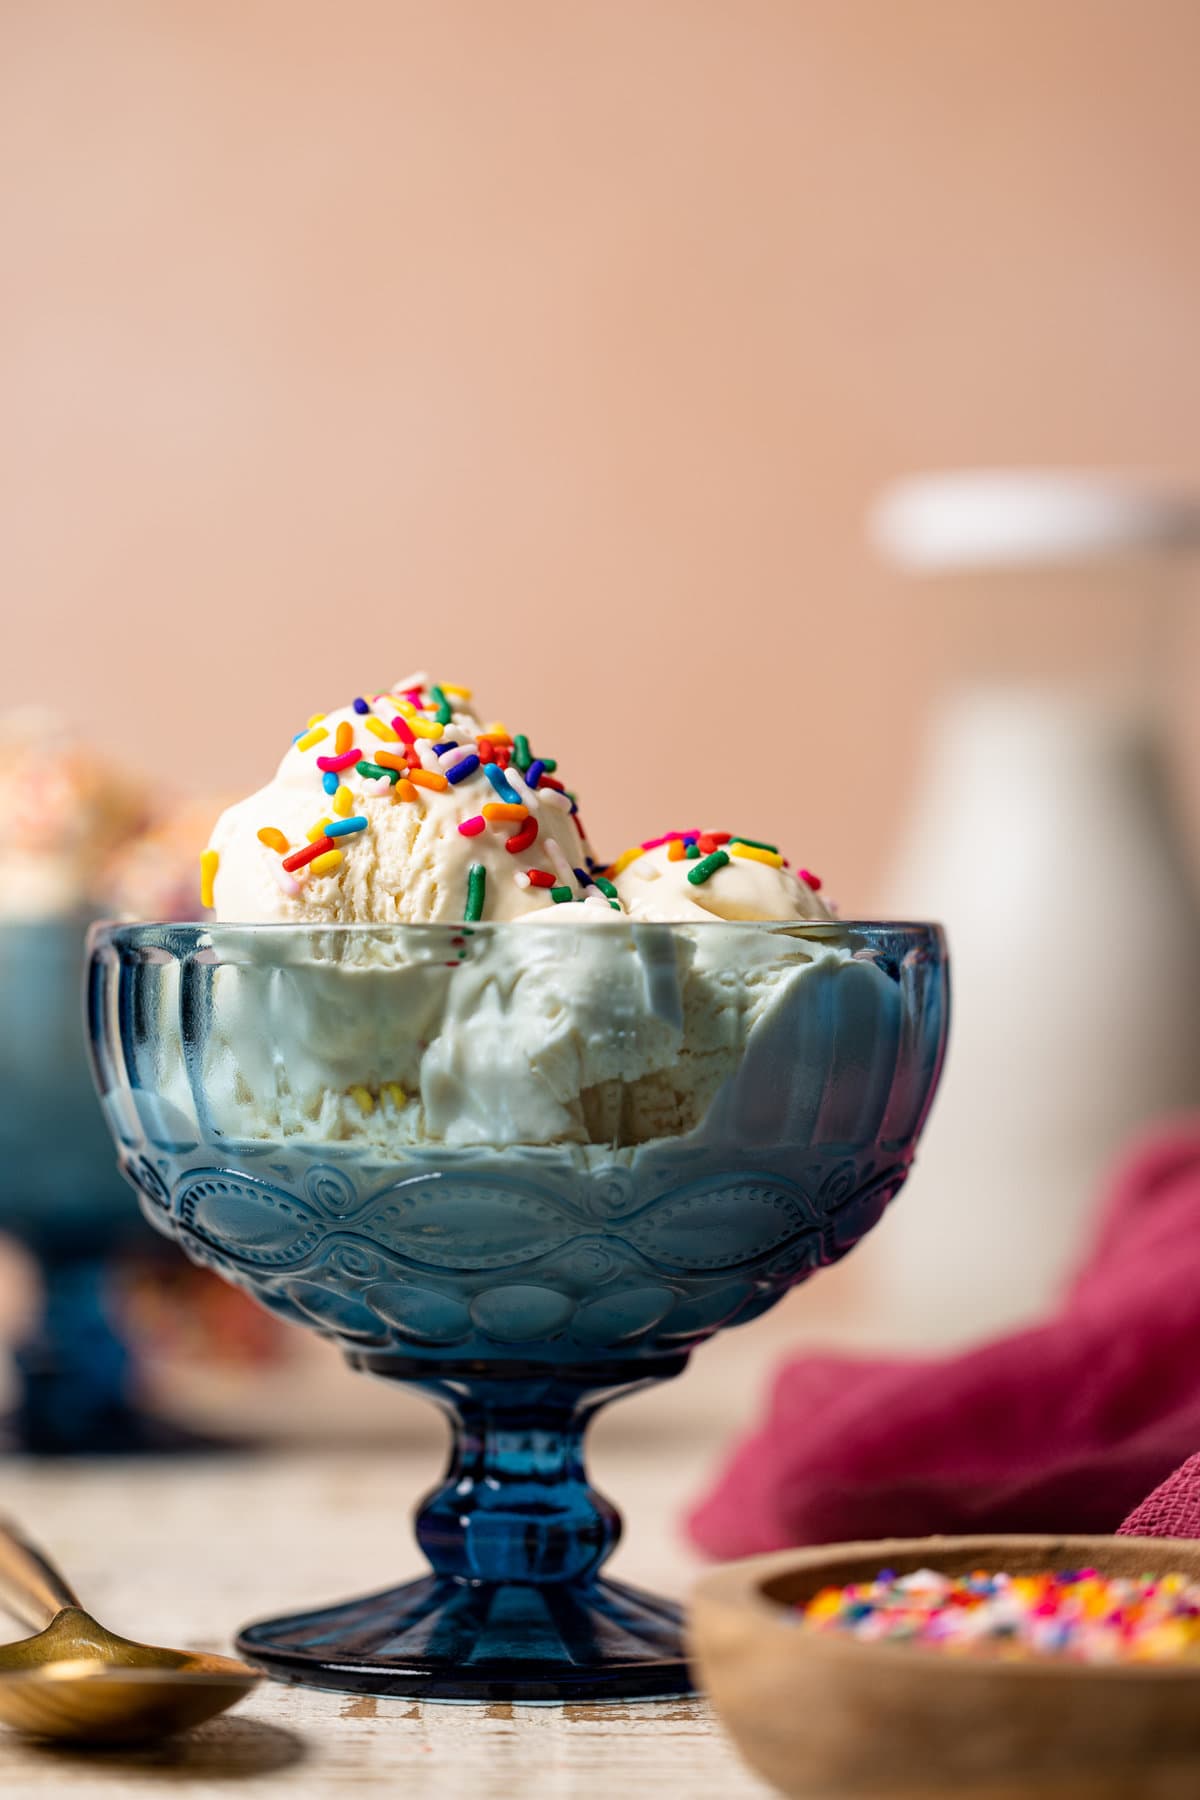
(476, 888)
(559, 894)
(443, 714)
(755, 845)
(370, 768)
(549, 763)
(521, 754)
(708, 867)
(616, 905)
(691, 851)
(606, 887)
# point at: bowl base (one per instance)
(442, 1639)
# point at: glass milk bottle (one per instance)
(1043, 836)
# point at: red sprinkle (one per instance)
(813, 881)
(552, 781)
(310, 853)
(541, 878)
(487, 751)
(332, 764)
(521, 840)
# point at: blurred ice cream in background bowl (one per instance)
(513, 1125)
(79, 840)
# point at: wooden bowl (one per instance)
(822, 1715)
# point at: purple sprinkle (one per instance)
(360, 706)
(534, 772)
(461, 770)
(583, 878)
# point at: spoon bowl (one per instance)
(75, 1681)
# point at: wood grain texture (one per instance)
(185, 1554)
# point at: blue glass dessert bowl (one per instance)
(524, 1167)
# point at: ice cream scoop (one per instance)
(695, 875)
(401, 808)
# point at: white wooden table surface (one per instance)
(184, 1553)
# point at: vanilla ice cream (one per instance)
(421, 815)
(404, 809)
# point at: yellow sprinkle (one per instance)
(364, 1096)
(311, 737)
(626, 857)
(343, 737)
(273, 839)
(401, 706)
(497, 730)
(381, 729)
(425, 728)
(395, 1094)
(208, 874)
(325, 865)
(753, 854)
(460, 693)
(343, 803)
(315, 720)
(318, 830)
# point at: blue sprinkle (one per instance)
(535, 771)
(461, 770)
(495, 775)
(360, 707)
(329, 782)
(441, 749)
(343, 827)
(583, 878)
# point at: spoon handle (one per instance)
(31, 1588)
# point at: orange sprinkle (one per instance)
(391, 759)
(273, 839)
(344, 738)
(427, 779)
(677, 852)
(502, 809)
(404, 791)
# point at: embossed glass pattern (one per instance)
(525, 1168)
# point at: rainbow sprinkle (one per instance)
(476, 892)
(1078, 1614)
(209, 863)
(707, 866)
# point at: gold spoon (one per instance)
(77, 1681)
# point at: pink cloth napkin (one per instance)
(1064, 1427)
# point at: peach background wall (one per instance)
(559, 345)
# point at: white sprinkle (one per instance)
(455, 756)
(427, 755)
(291, 888)
(558, 858)
(529, 796)
(521, 878)
(552, 797)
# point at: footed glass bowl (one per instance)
(525, 1168)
